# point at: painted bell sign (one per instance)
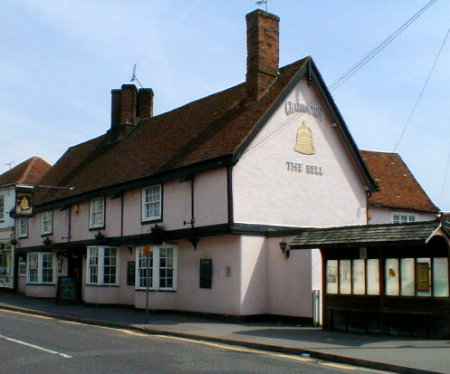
(23, 204)
(304, 143)
(148, 250)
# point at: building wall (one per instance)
(211, 208)
(9, 194)
(385, 215)
(266, 192)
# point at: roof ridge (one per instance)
(30, 161)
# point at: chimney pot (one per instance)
(262, 51)
(128, 105)
(145, 103)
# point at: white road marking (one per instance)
(34, 346)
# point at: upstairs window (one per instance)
(97, 213)
(47, 223)
(151, 203)
(2, 208)
(22, 228)
(403, 218)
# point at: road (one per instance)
(34, 344)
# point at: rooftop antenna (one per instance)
(9, 164)
(134, 77)
(264, 3)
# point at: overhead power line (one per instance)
(380, 47)
(422, 92)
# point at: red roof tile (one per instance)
(29, 172)
(398, 188)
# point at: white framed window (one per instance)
(158, 270)
(22, 227)
(97, 213)
(102, 266)
(2, 208)
(41, 267)
(403, 218)
(152, 203)
(46, 223)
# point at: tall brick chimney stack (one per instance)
(262, 51)
(128, 106)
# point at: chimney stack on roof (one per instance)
(262, 52)
(128, 106)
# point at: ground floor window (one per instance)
(102, 266)
(156, 267)
(41, 267)
(6, 265)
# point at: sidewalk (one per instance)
(377, 352)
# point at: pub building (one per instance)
(196, 205)
(384, 278)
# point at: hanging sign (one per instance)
(148, 250)
(23, 204)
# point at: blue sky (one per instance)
(60, 59)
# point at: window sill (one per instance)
(44, 235)
(41, 284)
(148, 221)
(102, 285)
(153, 290)
(96, 228)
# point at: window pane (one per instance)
(359, 277)
(408, 280)
(391, 276)
(332, 277)
(373, 277)
(423, 274)
(166, 267)
(145, 270)
(440, 277)
(109, 265)
(345, 276)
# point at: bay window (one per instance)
(156, 268)
(97, 213)
(152, 203)
(41, 268)
(102, 266)
(47, 223)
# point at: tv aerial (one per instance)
(134, 77)
(264, 3)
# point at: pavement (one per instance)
(403, 355)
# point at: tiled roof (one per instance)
(29, 172)
(208, 129)
(398, 188)
(365, 235)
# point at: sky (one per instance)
(60, 60)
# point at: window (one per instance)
(408, 287)
(440, 277)
(332, 274)
(156, 268)
(391, 277)
(102, 266)
(423, 274)
(373, 277)
(22, 227)
(46, 223)
(2, 208)
(97, 213)
(403, 218)
(151, 203)
(359, 277)
(345, 285)
(41, 267)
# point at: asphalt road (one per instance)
(30, 344)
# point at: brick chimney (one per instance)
(128, 106)
(262, 52)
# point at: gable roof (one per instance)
(29, 172)
(398, 188)
(365, 235)
(216, 128)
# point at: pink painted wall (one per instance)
(41, 291)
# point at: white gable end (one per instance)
(297, 171)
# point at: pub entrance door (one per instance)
(74, 271)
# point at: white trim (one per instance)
(91, 213)
(100, 266)
(155, 270)
(143, 202)
(48, 213)
(20, 233)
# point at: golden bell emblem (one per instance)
(305, 144)
(24, 203)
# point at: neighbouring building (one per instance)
(196, 205)
(400, 198)
(16, 184)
